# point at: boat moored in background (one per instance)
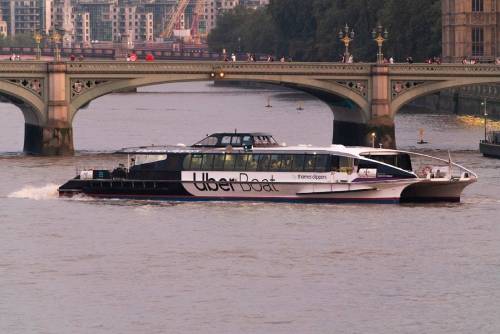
(490, 146)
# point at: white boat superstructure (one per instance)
(252, 166)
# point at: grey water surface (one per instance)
(91, 266)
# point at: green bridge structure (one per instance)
(364, 97)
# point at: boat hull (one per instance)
(371, 192)
(435, 191)
(490, 150)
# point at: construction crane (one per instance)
(176, 15)
(199, 13)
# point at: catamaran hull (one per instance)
(375, 192)
(435, 191)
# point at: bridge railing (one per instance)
(444, 69)
(7, 66)
(217, 66)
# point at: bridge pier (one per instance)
(361, 134)
(48, 140)
(381, 131)
(55, 135)
(380, 127)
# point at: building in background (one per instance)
(3, 26)
(471, 29)
(86, 22)
(254, 3)
(24, 16)
(3, 29)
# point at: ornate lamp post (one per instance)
(38, 38)
(380, 36)
(485, 114)
(56, 38)
(346, 35)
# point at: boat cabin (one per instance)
(247, 140)
(493, 137)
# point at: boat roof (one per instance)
(311, 149)
(353, 151)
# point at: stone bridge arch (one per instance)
(31, 104)
(28, 96)
(428, 88)
(348, 100)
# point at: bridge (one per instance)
(364, 98)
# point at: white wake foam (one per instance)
(48, 191)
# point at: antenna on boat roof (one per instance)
(235, 130)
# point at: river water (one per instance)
(114, 266)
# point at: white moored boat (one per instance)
(252, 166)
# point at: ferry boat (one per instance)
(490, 146)
(254, 167)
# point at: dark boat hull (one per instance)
(490, 150)
(176, 191)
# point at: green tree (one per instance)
(243, 30)
(308, 30)
(18, 40)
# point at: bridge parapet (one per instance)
(208, 67)
(11, 67)
(444, 69)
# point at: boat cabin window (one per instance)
(263, 162)
(247, 140)
(298, 163)
(252, 162)
(194, 162)
(317, 163)
(264, 141)
(229, 162)
(347, 164)
(236, 140)
(321, 164)
(400, 160)
(309, 163)
(209, 141)
(275, 164)
(141, 159)
(286, 163)
(208, 161)
(241, 161)
(383, 170)
(218, 162)
(335, 163)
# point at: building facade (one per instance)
(471, 29)
(26, 16)
(84, 22)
